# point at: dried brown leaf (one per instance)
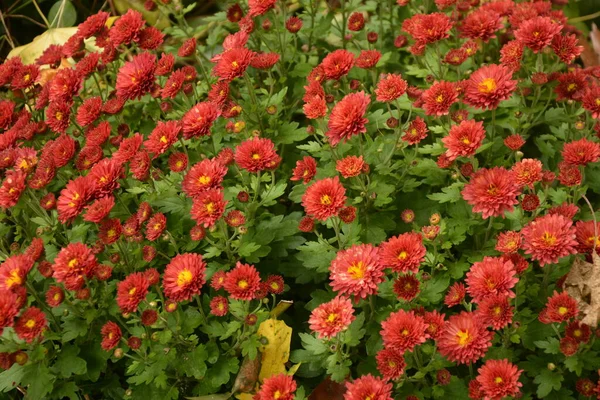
(583, 284)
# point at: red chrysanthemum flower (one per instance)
(149, 317)
(92, 25)
(332, 317)
(131, 291)
(494, 311)
(406, 287)
(219, 306)
(155, 226)
(488, 86)
(12, 188)
(110, 231)
(162, 137)
(54, 296)
(368, 387)
(428, 28)
(464, 339)
(509, 242)
(324, 198)
(581, 152)
(57, 116)
(435, 323)
(111, 335)
(306, 224)
(184, 276)
(356, 271)
(104, 177)
(165, 64)
(588, 236)
(235, 218)
(305, 170)
(499, 379)
(390, 87)
(205, 175)
(14, 270)
(73, 264)
(257, 154)
(591, 100)
(259, 7)
(218, 280)
(127, 28)
(568, 346)
(199, 119)
(347, 117)
(367, 59)
(439, 97)
(8, 308)
(264, 61)
(464, 139)
(585, 387)
(178, 162)
(350, 166)
(566, 47)
(514, 142)
(403, 330)
(31, 324)
(491, 276)
(417, 131)
(527, 172)
(356, 22)
(549, 238)
(571, 85)
(275, 284)
(233, 63)
(492, 192)
(561, 307)
(242, 282)
(150, 38)
(578, 331)
(403, 253)
(136, 77)
(390, 363)
(280, 387)
(537, 33)
(481, 24)
(337, 64)
(569, 174)
(208, 207)
(173, 85)
(89, 111)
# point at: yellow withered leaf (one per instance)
(276, 351)
(244, 396)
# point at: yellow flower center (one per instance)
(498, 380)
(243, 284)
(58, 115)
(463, 338)
(13, 279)
(562, 310)
(184, 278)
(548, 239)
(235, 64)
(256, 156)
(277, 395)
(204, 180)
(326, 200)
(73, 263)
(132, 291)
(30, 324)
(487, 85)
(163, 139)
(210, 207)
(466, 140)
(405, 332)
(439, 99)
(402, 256)
(331, 318)
(357, 270)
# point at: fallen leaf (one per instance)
(276, 351)
(328, 390)
(280, 308)
(248, 375)
(244, 396)
(583, 284)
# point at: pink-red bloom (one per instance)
(499, 379)
(549, 238)
(324, 198)
(464, 339)
(488, 86)
(257, 154)
(464, 139)
(491, 276)
(403, 330)
(331, 318)
(242, 282)
(492, 192)
(356, 271)
(184, 276)
(368, 387)
(347, 118)
(403, 253)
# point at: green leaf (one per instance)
(547, 382)
(449, 194)
(247, 248)
(219, 373)
(433, 289)
(271, 193)
(355, 333)
(73, 327)
(193, 363)
(169, 203)
(11, 377)
(574, 364)
(39, 221)
(39, 381)
(315, 255)
(250, 347)
(62, 14)
(312, 344)
(68, 363)
(550, 346)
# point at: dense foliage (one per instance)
(363, 200)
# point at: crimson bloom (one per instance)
(438, 98)
(131, 291)
(549, 238)
(492, 192)
(581, 152)
(495, 311)
(14, 270)
(8, 308)
(136, 77)
(347, 117)
(31, 324)
(391, 87)
(481, 24)
(331, 318)
(464, 339)
(280, 386)
(488, 86)
(464, 139)
(403, 253)
(242, 282)
(356, 271)
(351, 166)
(208, 207)
(403, 330)
(337, 64)
(162, 137)
(368, 387)
(184, 276)
(390, 363)
(324, 198)
(537, 33)
(428, 28)
(491, 276)
(207, 174)
(257, 154)
(406, 287)
(233, 63)
(499, 379)
(111, 335)
(305, 170)
(199, 119)
(73, 264)
(561, 307)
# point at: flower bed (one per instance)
(365, 200)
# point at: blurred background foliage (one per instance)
(23, 20)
